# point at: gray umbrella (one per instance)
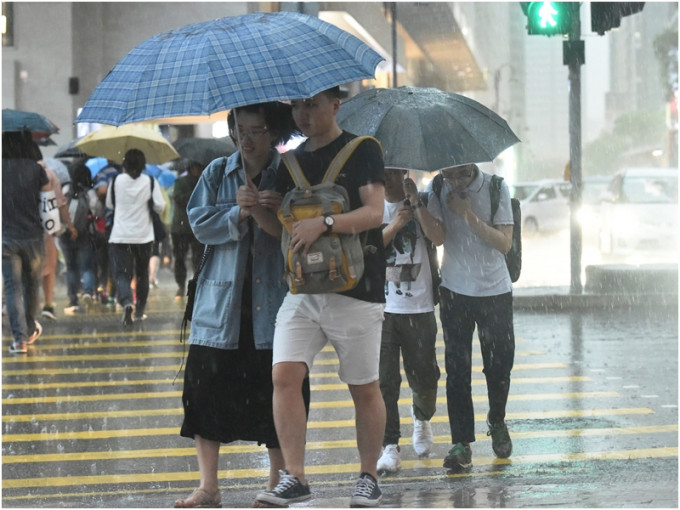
(70, 150)
(426, 129)
(204, 150)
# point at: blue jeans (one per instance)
(21, 273)
(492, 316)
(79, 258)
(130, 260)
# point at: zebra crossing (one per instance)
(91, 418)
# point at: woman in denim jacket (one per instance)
(227, 383)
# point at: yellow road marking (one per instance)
(328, 469)
(325, 424)
(63, 399)
(314, 387)
(316, 445)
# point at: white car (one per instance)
(639, 213)
(545, 205)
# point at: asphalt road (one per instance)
(91, 418)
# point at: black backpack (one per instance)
(513, 259)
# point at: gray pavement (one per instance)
(91, 415)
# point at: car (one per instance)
(544, 203)
(593, 189)
(639, 213)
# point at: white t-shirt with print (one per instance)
(408, 282)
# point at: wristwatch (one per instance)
(329, 221)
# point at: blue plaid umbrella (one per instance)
(210, 67)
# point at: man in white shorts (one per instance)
(351, 321)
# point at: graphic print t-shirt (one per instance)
(408, 280)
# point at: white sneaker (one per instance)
(422, 436)
(71, 310)
(390, 460)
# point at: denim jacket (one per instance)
(213, 215)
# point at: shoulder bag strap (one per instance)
(495, 192)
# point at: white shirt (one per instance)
(470, 266)
(408, 282)
(131, 218)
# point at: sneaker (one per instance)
(422, 436)
(366, 492)
(86, 299)
(18, 348)
(179, 295)
(127, 316)
(459, 457)
(48, 312)
(153, 284)
(390, 460)
(289, 490)
(38, 331)
(142, 317)
(71, 310)
(500, 439)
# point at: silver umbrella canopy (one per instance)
(427, 129)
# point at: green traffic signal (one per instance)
(548, 18)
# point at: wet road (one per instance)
(91, 418)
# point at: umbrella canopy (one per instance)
(70, 150)
(39, 125)
(96, 164)
(165, 177)
(425, 128)
(112, 143)
(207, 68)
(60, 169)
(204, 150)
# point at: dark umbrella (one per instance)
(70, 150)
(425, 128)
(39, 125)
(204, 150)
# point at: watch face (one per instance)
(329, 220)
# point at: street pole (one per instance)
(393, 15)
(574, 57)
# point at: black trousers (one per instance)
(493, 318)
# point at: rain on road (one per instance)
(91, 418)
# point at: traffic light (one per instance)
(548, 18)
(607, 15)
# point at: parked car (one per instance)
(545, 204)
(640, 212)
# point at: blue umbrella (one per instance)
(165, 177)
(96, 164)
(207, 68)
(16, 120)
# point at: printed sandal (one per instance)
(200, 498)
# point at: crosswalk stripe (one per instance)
(325, 424)
(63, 399)
(313, 387)
(331, 469)
(319, 445)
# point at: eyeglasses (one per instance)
(457, 176)
(252, 133)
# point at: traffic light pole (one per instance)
(574, 57)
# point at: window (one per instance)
(7, 24)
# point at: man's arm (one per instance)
(499, 237)
(432, 228)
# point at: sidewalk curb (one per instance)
(564, 302)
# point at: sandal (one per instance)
(200, 498)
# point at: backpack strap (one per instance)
(293, 166)
(113, 190)
(342, 156)
(334, 168)
(495, 193)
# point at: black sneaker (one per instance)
(459, 457)
(500, 439)
(127, 316)
(366, 492)
(289, 490)
(48, 312)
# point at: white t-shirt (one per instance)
(470, 266)
(408, 282)
(132, 220)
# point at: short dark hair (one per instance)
(134, 163)
(277, 116)
(333, 92)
